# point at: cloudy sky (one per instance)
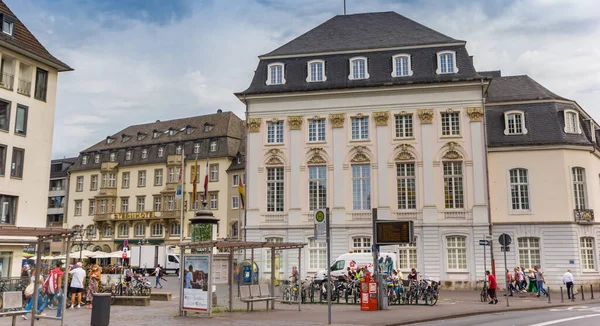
(137, 61)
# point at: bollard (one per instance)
(549, 300)
(582, 297)
(562, 298)
(592, 290)
(573, 293)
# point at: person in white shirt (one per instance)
(77, 284)
(568, 281)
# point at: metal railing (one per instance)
(583, 215)
(7, 81)
(275, 217)
(24, 87)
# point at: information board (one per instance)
(394, 232)
(220, 270)
(196, 287)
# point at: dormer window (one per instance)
(358, 68)
(8, 25)
(109, 140)
(113, 157)
(316, 71)
(178, 150)
(196, 148)
(124, 138)
(446, 62)
(84, 160)
(401, 66)
(171, 132)
(213, 146)
(514, 123)
(128, 155)
(572, 122)
(188, 130)
(161, 151)
(141, 136)
(239, 159)
(207, 127)
(144, 153)
(276, 74)
(154, 134)
(97, 158)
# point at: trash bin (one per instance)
(101, 309)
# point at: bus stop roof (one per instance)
(39, 232)
(236, 244)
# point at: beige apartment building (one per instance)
(236, 173)
(124, 187)
(28, 83)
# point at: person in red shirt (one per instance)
(492, 286)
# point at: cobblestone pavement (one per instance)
(165, 313)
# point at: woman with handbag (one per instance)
(94, 280)
(29, 294)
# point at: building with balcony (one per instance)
(57, 195)
(28, 83)
(124, 187)
(544, 163)
(369, 111)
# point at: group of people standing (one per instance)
(522, 280)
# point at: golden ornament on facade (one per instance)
(404, 153)
(317, 159)
(381, 118)
(360, 158)
(253, 124)
(452, 153)
(337, 120)
(426, 115)
(295, 122)
(274, 160)
(475, 113)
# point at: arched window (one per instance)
(316, 71)
(157, 230)
(358, 68)
(519, 189)
(572, 122)
(175, 229)
(446, 62)
(140, 230)
(401, 66)
(108, 232)
(275, 74)
(123, 230)
(514, 123)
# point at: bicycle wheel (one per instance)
(432, 298)
(484, 295)
(286, 294)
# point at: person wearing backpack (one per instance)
(53, 288)
(158, 273)
(29, 293)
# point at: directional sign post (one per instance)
(484, 242)
(320, 227)
(505, 241)
(322, 235)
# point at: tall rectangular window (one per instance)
(4, 115)
(456, 247)
(316, 130)
(317, 187)
(214, 201)
(268, 252)
(170, 203)
(157, 204)
(92, 208)
(235, 180)
(172, 175)
(579, 188)
(18, 160)
(359, 69)
(404, 126)
(361, 187)
(401, 65)
(361, 244)
(571, 122)
(141, 204)
(317, 255)
(275, 132)
(41, 84)
(275, 190)
(142, 178)
(8, 209)
(102, 206)
(451, 124)
(78, 208)
(515, 123)
(235, 202)
(79, 184)
(316, 71)
(360, 128)
(406, 184)
(94, 182)
(124, 205)
(447, 63)
(529, 252)
(453, 185)
(587, 254)
(2, 160)
(214, 172)
(21, 123)
(276, 72)
(126, 176)
(407, 256)
(158, 177)
(519, 189)
(112, 180)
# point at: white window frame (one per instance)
(274, 182)
(112, 180)
(108, 232)
(178, 150)
(156, 230)
(128, 155)
(96, 158)
(141, 204)
(235, 202)
(275, 239)
(273, 65)
(79, 183)
(124, 205)
(317, 255)
(113, 157)
(277, 128)
(579, 188)
(458, 180)
(453, 130)
(214, 172)
(364, 244)
(175, 229)
(144, 153)
(78, 205)
(171, 175)
(235, 180)
(588, 254)
(408, 256)
(363, 204)
(404, 181)
(351, 68)
(439, 62)
(157, 204)
(213, 146)
(309, 74)
(407, 130)
(316, 193)
(141, 178)
(214, 201)
(161, 152)
(317, 130)
(139, 230)
(94, 182)
(158, 177)
(526, 249)
(395, 65)
(520, 184)
(126, 176)
(196, 148)
(507, 128)
(577, 126)
(457, 251)
(170, 203)
(84, 160)
(123, 227)
(362, 133)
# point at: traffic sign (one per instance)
(505, 248)
(125, 250)
(484, 242)
(320, 216)
(124, 256)
(125, 243)
(504, 239)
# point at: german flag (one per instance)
(241, 191)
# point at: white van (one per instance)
(340, 266)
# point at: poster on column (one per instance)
(195, 285)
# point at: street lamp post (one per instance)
(81, 232)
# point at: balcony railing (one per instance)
(404, 216)
(359, 216)
(7, 81)
(24, 87)
(584, 215)
(275, 217)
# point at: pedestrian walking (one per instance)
(30, 295)
(94, 279)
(532, 288)
(53, 288)
(539, 279)
(492, 286)
(158, 273)
(568, 281)
(77, 280)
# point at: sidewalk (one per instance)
(452, 303)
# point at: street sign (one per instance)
(395, 232)
(320, 216)
(124, 256)
(484, 242)
(125, 243)
(320, 227)
(125, 250)
(505, 248)
(504, 239)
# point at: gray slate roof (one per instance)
(362, 31)
(518, 88)
(60, 167)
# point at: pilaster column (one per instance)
(479, 178)
(427, 148)
(254, 157)
(295, 124)
(337, 184)
(383, 146)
